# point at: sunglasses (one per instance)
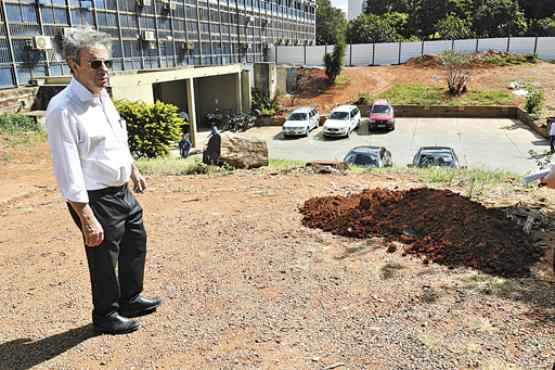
(96, 64)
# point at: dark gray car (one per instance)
(441, 156)
(369, 156)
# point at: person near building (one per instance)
(552, 135)
(93, 165)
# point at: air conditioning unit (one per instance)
(189, 45)
(85, 4)
(143, 3)
(148, 36)
(42, 43)
(173, 5)
(151, 45)
(250, 20)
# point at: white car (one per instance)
(301, 121)
(342, 121)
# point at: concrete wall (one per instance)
(17, 100)
(212, 93)
(172, 92)
(265, 79)
(396, 53)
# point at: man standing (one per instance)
(93, 165)
(552, 135)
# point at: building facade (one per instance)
(149, 34)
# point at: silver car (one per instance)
(301, 121)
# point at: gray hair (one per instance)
(77, 39)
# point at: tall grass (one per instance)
(166, 166)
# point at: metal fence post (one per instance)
(508, 44)
(422, 49)
(452, 44)
(536, 45)
(275, 54)
(304, 54)
(399, 52)
(351, 55)
(477, 44)
(373, 53)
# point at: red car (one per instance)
(381, 115)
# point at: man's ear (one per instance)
(72, 64)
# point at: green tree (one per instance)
(334, 61)
(498, 18)
(330, 23)
(376, 28)
(452, 27)
(542, 27)
(537, 9)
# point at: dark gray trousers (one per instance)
(117, 265)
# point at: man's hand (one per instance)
(92, 232)
(139, 182)
(549, 180)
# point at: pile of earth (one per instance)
(425, 61)
(441, 226)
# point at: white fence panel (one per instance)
(290, 54)
(498, 44)
(467, 46)
(546, 48)
(315, 55)
(387, 53)
(362, 54)
(522, 45)
(410, 50)
(437, 47)
(271, 54)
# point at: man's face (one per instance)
(92, 70)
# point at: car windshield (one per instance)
(363, 159)
(297, 117)
(381, 109)
(339, 115)
(443, 159)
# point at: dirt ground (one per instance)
(246, 286)
(373, 80)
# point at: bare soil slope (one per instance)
(246, 286)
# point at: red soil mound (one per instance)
(442, 226)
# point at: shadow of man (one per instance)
(22, 354)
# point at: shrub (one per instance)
(12, 123)
(152, 128)
(457, 73)
(334, 61)
(262, 103)
(534, 101)
(363, 99)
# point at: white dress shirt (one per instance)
(88, 140)
(552, 129)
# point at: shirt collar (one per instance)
(84, 94)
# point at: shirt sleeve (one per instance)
(63, 139)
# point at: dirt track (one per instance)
(246, 286)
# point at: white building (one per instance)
(356, 8)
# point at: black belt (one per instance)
(108, 190)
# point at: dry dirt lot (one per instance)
(373, 80)
(246, 286)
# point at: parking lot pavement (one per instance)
(479, 143)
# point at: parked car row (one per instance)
(378, 157)
(341, 121)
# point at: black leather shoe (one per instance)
(114, 324)
(139, 306)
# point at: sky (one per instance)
(341, 4)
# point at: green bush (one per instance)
(334, 61)
(266, 106)
(534, 101)
(153, 128)
(11, 123)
